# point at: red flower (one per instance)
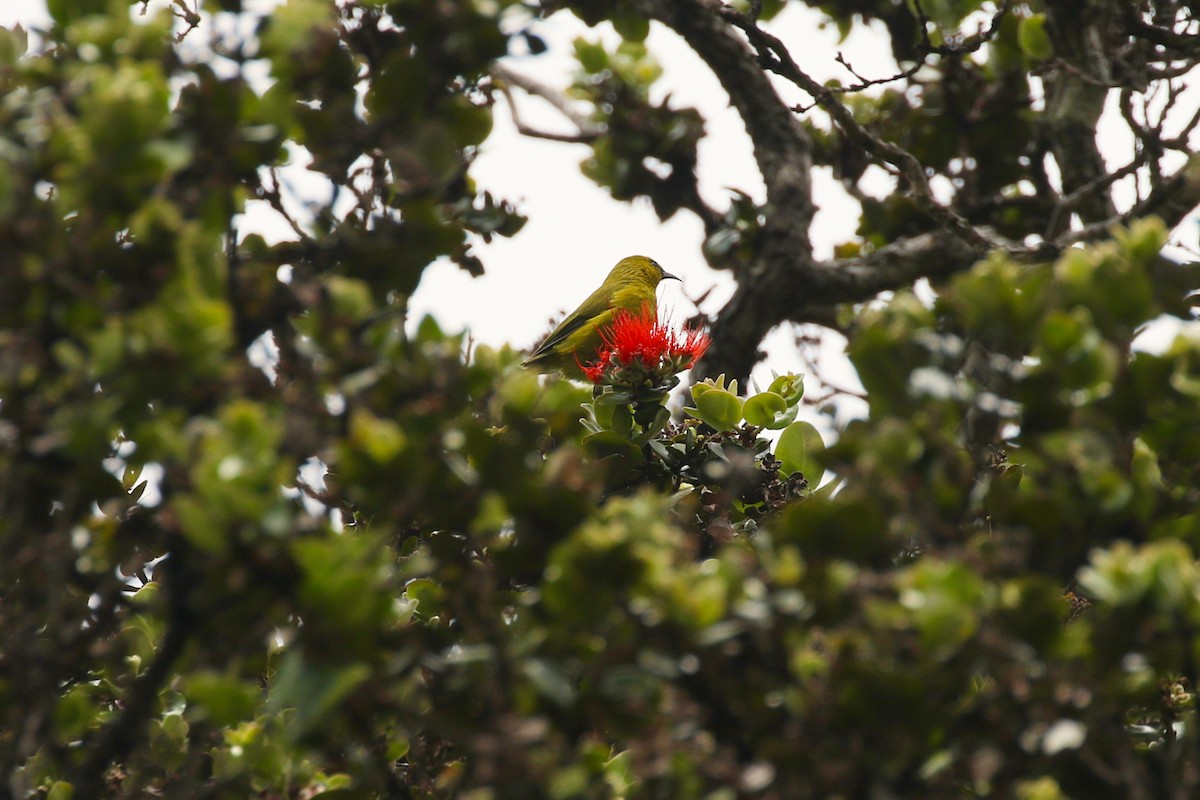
(594, 372)
(642, 338)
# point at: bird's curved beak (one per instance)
(669, 276)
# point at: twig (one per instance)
(926, 48)
(971, 43)
(1187, 42)
(191, 16)
(807, 347)
(1175, 198)
(313, 493)
(866, 83)
(274, 197)
(776, 58)
(504, 77)
(1180, 140)
(120, 737)
(1072, 200)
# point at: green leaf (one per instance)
(592, 56)
(613, 398)
(65, 12)
(78, 709)
(382, 440)
(290, 25)
(222, 699)
(719, 408)
(427, 594)
(610, 443)
(622, 421)
(797, 450)
(632, 27)
(313, 689)
(1033, 38)
(13, 44)
(550, 681)
(343, 587)
(60, 790)
(946, 601)
(761, 409)
(790, 387)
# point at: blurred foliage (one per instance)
(725, 475)
(383, 564)
(647, 149)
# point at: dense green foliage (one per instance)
(998, 596)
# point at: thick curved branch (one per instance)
(1076, 89)
(783, 281)
(937, 254)
(758, 306)
(783, 153)
(1183, 44)
(782, 148)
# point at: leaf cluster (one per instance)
(261, 538)
(647, 149)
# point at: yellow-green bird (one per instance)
(631, 285)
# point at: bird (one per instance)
(577, 339)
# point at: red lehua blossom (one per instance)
(642, 337)
(693, 345)
(595, 371)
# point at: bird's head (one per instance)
(640, 269)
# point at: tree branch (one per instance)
(782, 148)
(1174, 199)
(776, 58)
(1184, 43)
(937, 254)
(926, 48)
(121, 737)
(504, 78)
(758, 306)
(783, 152)
(1068, 203)
(782, 281)
(1077, 86)
(587, 132)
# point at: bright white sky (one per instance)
(576, 232)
